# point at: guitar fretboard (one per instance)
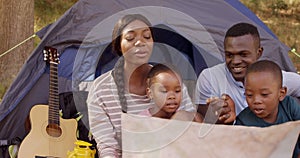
(53, 95)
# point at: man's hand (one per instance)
(227, 116)
(220, 110)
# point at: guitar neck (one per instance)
(53, 95)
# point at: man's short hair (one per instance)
(241, 29)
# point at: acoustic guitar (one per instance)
(50, 135)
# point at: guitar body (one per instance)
(39, 143)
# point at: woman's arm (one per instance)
(101, 125)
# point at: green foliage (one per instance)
(48, 11)
(278, 5)
(2, 91)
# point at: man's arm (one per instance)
(291, 80)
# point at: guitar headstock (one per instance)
(51, 55)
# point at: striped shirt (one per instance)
(104, 110)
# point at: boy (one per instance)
(266, 97)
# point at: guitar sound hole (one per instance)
(54, 130)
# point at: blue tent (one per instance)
(187, 32)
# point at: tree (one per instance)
(16, 25)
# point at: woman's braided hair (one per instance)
(118, 72)
(118, 75)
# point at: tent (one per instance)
(189, 33)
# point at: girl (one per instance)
(164, 89)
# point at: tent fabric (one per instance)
(83, 35)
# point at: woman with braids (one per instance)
(123, 89)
